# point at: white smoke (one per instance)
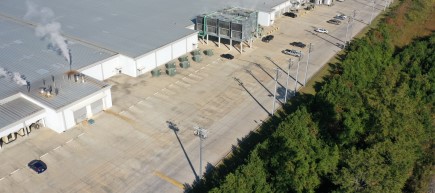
(48, 28)
(13, 76)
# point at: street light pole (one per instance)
(306, 67)
(274, 93)
(288, 77)
(351, 25)
(347, 31)
(296, 78)
(385, 7)
(373, 11)
(202, 134)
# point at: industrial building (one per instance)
(55, 55)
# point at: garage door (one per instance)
(80, 115)
(97, 106)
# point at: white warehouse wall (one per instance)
(146, 63)
(68, 112)
(104, 69)
(94, 72)
(54, 120)
(161, 56)
(264, 18)
(192, 42)
(179, 48)
(164, 55)
(127, 66)
(107, 101)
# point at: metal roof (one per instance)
(17, 109)
(68, 91)
(131, 27)
(21, 51)
(95, 30)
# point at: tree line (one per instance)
(368, 128)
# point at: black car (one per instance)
(298, 44)
(227, 56)
(291, 14)
(38, 166)
(334, 21)
(267, 38)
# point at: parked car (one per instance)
(292, 52)
(291, 14)
(341, 17)
(334, 21)
(298, 44)
(267, 38)
(227, 56)
(38, 166)
(321, 30)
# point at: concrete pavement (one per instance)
(131, 147)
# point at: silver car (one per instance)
(321, 30)
(292, 52)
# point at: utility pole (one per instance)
(385, 7)
(202, 134)
(296, 78)
(274, 93)
(351, 25)
(373, 11)
(288, 77)
(306, 67)
(347, 31)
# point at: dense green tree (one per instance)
(250, 178)
(297, 157)
(369, 128)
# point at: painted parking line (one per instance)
(169, 179)
(57, 147)
(14, 171)
(80, 134)
(69, 141)
(45, 154)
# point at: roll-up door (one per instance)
(80, 114)
(97, 107)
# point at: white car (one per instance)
(321, 30)
(340, 16)
(292, 52)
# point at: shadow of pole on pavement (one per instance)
(174, 128)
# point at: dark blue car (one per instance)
(38, 166)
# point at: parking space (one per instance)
(130, 148)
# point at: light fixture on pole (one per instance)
(202, 134)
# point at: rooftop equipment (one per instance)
(233, 23)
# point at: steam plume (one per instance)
(14, 76)
(48, 29)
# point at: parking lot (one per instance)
(131, 148)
